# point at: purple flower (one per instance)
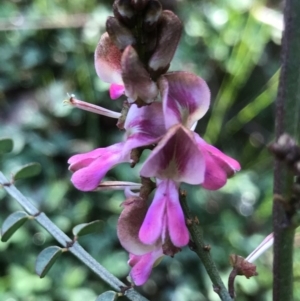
(142, 257)
(144, 126)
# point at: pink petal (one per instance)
(108, 60)
(136, 78)
(88, 177)
(82, 160)
(185, 98)
(176, 157)
(229, 164)
(218, 165)
(215, 175)
(177, 229)
(151, 229)
(115, 91)
(143, 266)
(144, 126)
(129, 224)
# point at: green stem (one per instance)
(287, 120)
(65, 241)
(203, 252)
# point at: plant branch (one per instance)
(287, 120)
(68, 243)
(203, 251)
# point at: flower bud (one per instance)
(169, 32)
(139, 4)
(153, 12)
(129, 223)
(124, 12)
(137, 81)
(108, 60)
(120, 35)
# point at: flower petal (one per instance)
(144, 126)
(115, 91)
(185, 98)
(92, 169)
(151, 229)
(129, 224)
(108, 60)
(176, 157)
(218, 165)
(143, 265)
(137, 81)
(177, 229)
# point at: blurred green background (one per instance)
(46, 51)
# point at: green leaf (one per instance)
(46, 259)
(6, 145)
(28, 170)
(88, 228)
(12, 223)
(108, 296)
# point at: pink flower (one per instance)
(144, 126)
(142, 257)
(165, 218)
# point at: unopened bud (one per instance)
(137, 81)
(139, 4)
(169, 32)
(153, 13)
(119, 34)
(124, 11)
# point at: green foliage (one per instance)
(12, 224)
(107, 296)
(6, 145)
(46, 259)
(49, 55)
(27, 171)
(88, 228)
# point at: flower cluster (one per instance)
(164, 107)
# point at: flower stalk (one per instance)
(203, 251)
(287, 120)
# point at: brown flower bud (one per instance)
(119, 34)
(137, 81)
(139, 4)
(124, 12)
(169, 32)
(152, 15)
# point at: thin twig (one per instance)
(203, 252)
(287, 120)
(66, 241)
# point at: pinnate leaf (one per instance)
(108, 296)
(6, 145)
(28, 170)
(12, 223)
(46, 259)
(88, 228)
